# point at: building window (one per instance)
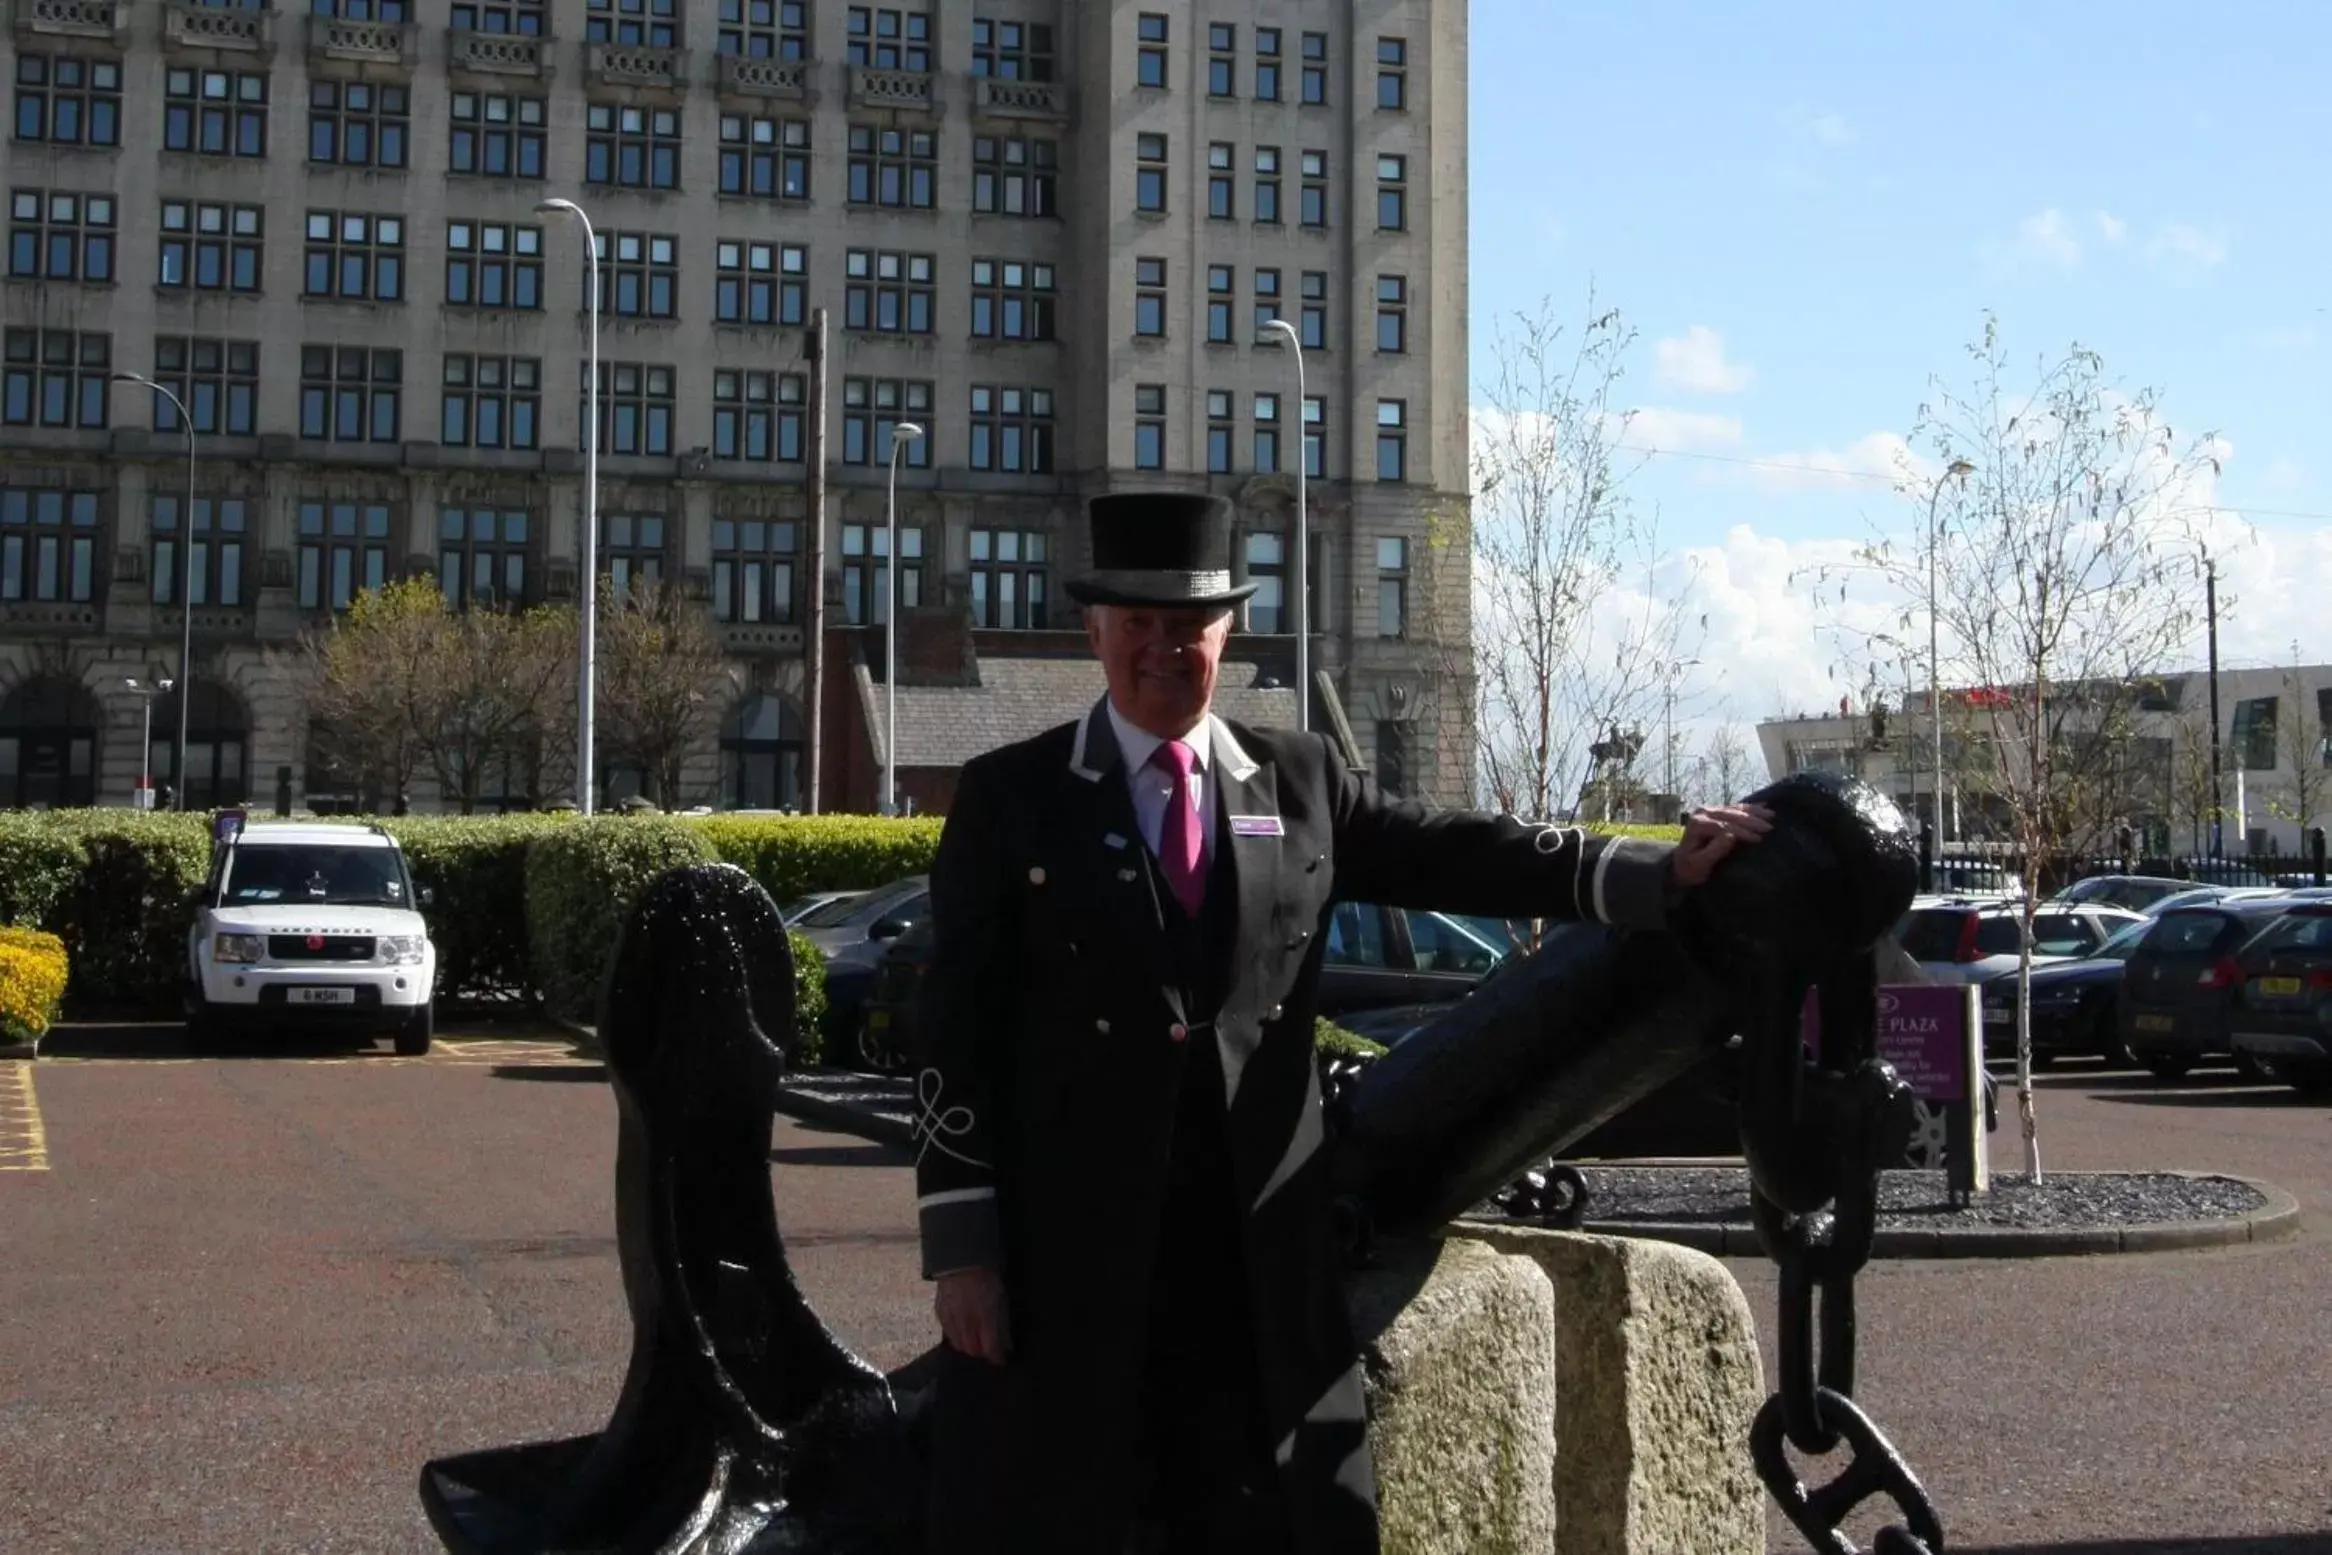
(218, 113)
(68, 102)
(521, 17)
(60, 237)
(1314, 209)
(758, 416)
(55, 378)
(1266, 301)
(1392, 313)
(1220, 428)
(356, 256)
(887, 39)
(1392, 586)
(1267, 185)
(866, 573)
(217, 736)
(1150, 173)
(1392, 759)
(2253, 735)
(1012, 51)
(631, 148)
(344, 550)
(761, 755)
(1149, 426)
(1015, 177)
(642, 279)
(48, 545)
(765, 29)
(1222, 59)
(1315, 438)
(761, 283)
(1392, 74)
(635, 408)
(1222, 198)
(1221, 298)
(1392, 194)
(491, 401)
(491, 265)
(217, 381)
(631, 550)
(753, 570)
(212, 247)
(1392, 440)
(887, 293)
(1267, 64)
(1150, 49)
(1315, 81)
(1011, 300)
(481, 557)
(1012, 430)
(1267, 570)
(768, 159)
(349, 394)
(357, 124)
(1008, 579)
(1150, 297)
(213, 551)
(1266, 434)
(496, 136)
(1312, 322)
(651, 24)
(893, 167)
(871, 407)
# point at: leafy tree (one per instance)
(662, 682)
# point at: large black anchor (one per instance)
(745, 1427)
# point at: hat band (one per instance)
(1153, 580)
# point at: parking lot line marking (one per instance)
(24, 1147)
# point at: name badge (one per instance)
(1257, 826)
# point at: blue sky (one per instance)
(1813, 205)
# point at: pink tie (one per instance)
(1179, 846)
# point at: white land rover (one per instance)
(302, 924)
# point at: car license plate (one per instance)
(878, 1020)
(323, 996)
(1999, 1017)
(2279, 987)
(2156, 1023)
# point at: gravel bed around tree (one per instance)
(1719, 1195)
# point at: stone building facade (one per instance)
(1048, 231)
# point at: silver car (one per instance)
(1968, 940)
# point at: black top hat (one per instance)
(1159, 548)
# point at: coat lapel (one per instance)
(1114, 846)
(1252, 836)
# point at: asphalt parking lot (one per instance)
(246, 1297)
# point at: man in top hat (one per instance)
(1122, 1192)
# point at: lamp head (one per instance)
(906, 432)
(556, 206)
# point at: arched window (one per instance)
(217, 734)
(48, 744)
(761, 755)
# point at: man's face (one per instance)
(1161, 663)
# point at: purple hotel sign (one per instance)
(1923, 1032)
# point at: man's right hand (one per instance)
(970, 1303)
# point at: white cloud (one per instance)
(2111, 227)
(1695, 362)
(2179, 246)
(2047, 236)
(1865, 462)
(1657, 427)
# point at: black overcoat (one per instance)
(1051, 1040)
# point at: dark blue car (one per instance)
(2075, 1005)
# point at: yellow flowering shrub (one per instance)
(32, 982)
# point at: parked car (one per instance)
(310, 925)
(853, 934)
(2075, 1004)
(1962, 940)
(2282, 1015)
(2131, 893)
(2226, 871)
(2179, 984)
(793, 912)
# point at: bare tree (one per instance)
(1569, 625)
(2300, 746)
(1726, 770)
(2062, 554)
(499, 671)
(368, 677)
(661, 681)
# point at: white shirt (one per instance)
(1153, 786)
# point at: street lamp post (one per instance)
(1958, 468)
(146, 694)
(587, 591)
(185, 589)
(1303, 607)
(2210, 573)
(901, 435)
(1669, 670)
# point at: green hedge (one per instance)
(1330, 1038)
(791, 855)
(474, 868)
(808, 1046)
(116, 886)
(582, 879)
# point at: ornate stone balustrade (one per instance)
(363, 43)
(497, 53)
(744, 637)
(629, 64)
(910, 89)
(1020, 99)
(239, 28)
(788, 78)
(108, 19)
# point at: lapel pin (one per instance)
(1036, 876)
(1125, 874)
(1257, 826)
(1113, 840)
